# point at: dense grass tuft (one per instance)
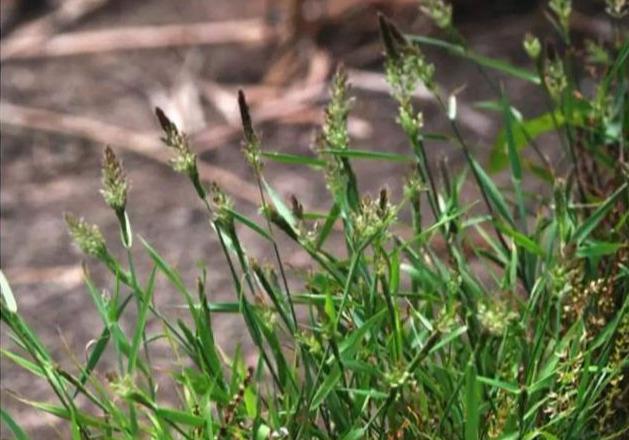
(402, 337)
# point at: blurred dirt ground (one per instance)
(63, 100)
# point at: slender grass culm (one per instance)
(390, 336)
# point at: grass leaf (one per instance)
(8, 421)
(586, 228)
(7, 294)
(472, 404)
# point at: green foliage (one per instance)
(400, 335)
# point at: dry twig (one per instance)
(67, 276)
(143, 143)
(140, 37)
(36, 32)
(296, 100)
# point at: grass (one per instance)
(397, 339)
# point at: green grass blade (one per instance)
(177, 416)
(597, 248)
(326, 388)
(521, 240)
(514, 160)
(509, 387)
(331, 218)
(22, 362)
(171, 274)
(494, 195)
(349, 345)
(250, 224)
(282, 209)
(586, 228)
(492, 63)
(448, 338)
(63, 413)
(472, 404)
(7, 294)
(293, 159)
(370, 155)
(8, 421)
(95, 355)
(140, 324)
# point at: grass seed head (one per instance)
(87, 237)
(438, 11)
(222, 205)
(115, 184)
(296, 207)
(335, 133)
(562, 10)
(618, 9)
(498, 418)
(373, 217)
(412, 122)
(495, 317)
(185, 161)
(413, 186)
(251, 140)
(596, 53)
(612, 397)
(391, 37)
(555, 78)
(405, 66)
(532, 46)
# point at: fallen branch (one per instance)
(252, 31)
(296, 100)
(36, 32)
(142, 143)
(68, 276)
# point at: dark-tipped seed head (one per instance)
(245, 116)
(251, 142)
(297, 207)
(166, 123)
(388, 39)
(185, 161)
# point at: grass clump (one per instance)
(400, 335)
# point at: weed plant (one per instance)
(394, 337)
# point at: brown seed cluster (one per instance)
(230, 411)
(617, 386)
